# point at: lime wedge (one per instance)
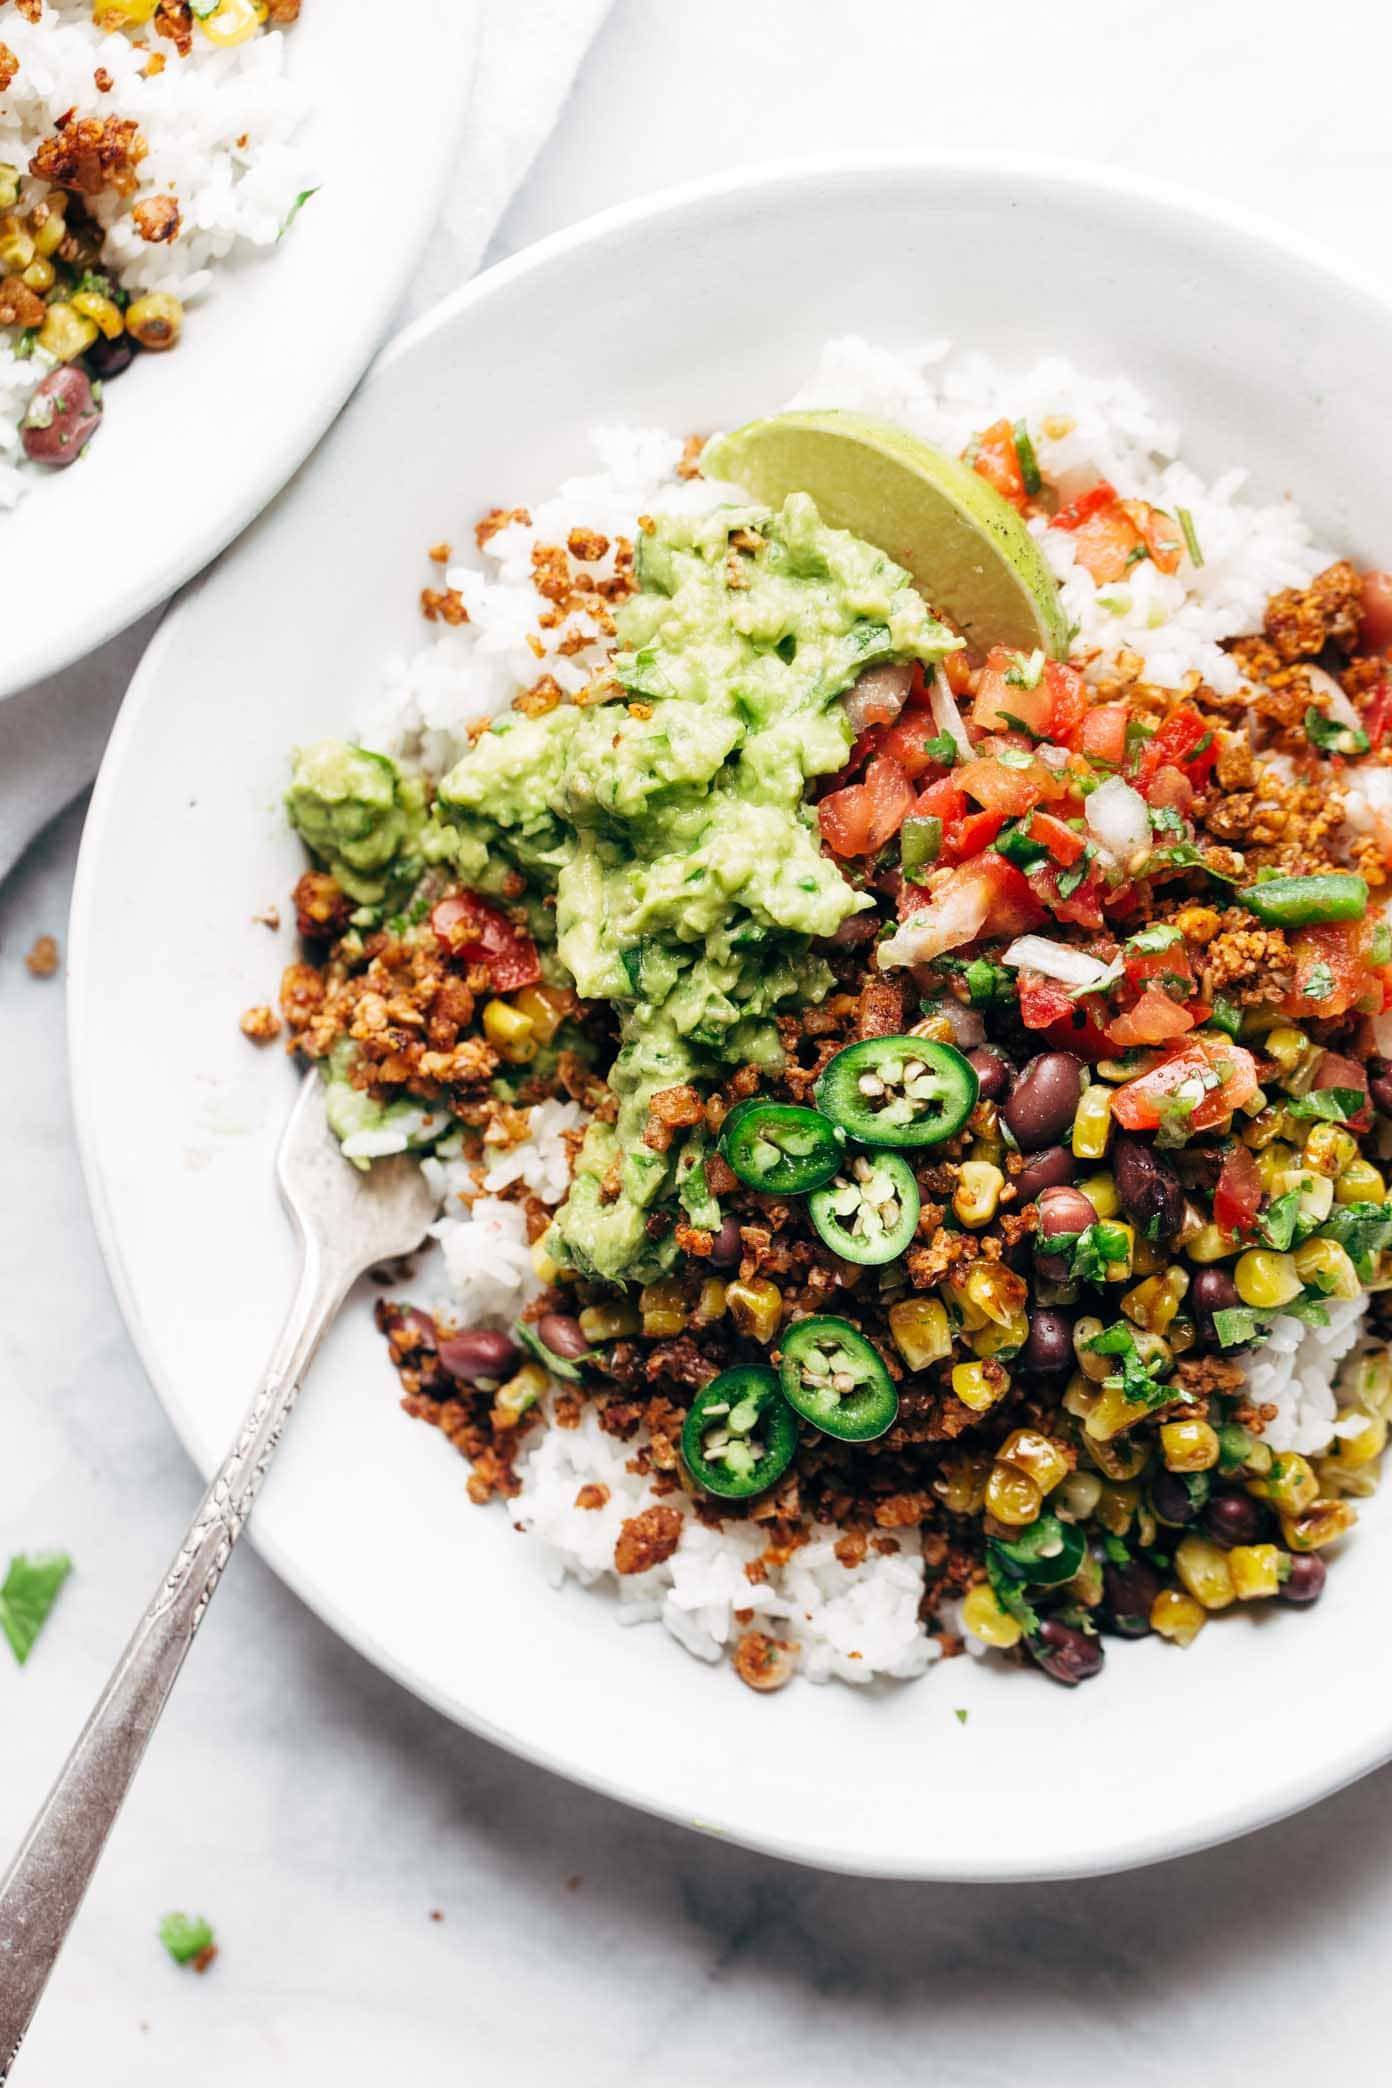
(969, 553)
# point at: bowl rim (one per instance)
(1135, 1848)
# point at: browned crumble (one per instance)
(42, 960)
(157, 219)
(91, 154)
(261, 1024)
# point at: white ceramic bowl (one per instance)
(194, 443)
(697, 310)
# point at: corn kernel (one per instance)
(1113, 1413)
(107, 315)
(1086, 1331)
(509, 1032)
(1288, 1046)
(1188, 1446)
(1255, 1570)
(1328, 1150)
(1265, 1279)
(664, 1313)
(710, 1302)
(1092, 1125)
(1372, 1386)
(65, 334)
(756, 1308)
(155, 320)
(1359, 1480)
(9, 185)
(977, 1195)
(1086, 1585)
(1317, 1525)
(234, 22)
(17, 248)
(936, 1028)
(48, 226)
(1117, 1505)
(980, 1385)
(1146, 1258)
(1012, 1496)
(995, 1340)
(1326, 1265)
(601, 1323)
(512, 1400)
(1154, 1303)
(1360, 1182)
(1203, 1568)
(1078, 1496)
(39, 276)
(544, 1006)
(921, 1331)
(1289, 1485)
(1080, 1396)
(1197, 924)
(1122, 1458)
(1208, 1244)
(992, 1292)
(1046, 1460)
(122, 14)
(1177, 1617)
(1117, 1271)
(1262, 1129)
(961, 1483)
(545, 1267)
(984, 1618)
(1101, 1192)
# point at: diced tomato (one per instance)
(1140, 1104)
(1184, 742)
(1104, 733)
(1062, 843)
(944, 800)
(1083, 906)
(1154, 1020)
(985, 897)
(1106, 545)
(1011, 791)
(1043, 1001)
(1378, 716)
(1161, 535)
(860, 819)
(1375, 631)
(967, 837)
(1336, 1071)
(1093, 502)
(1068, 702)
(907, 743)
(1237, 1198)
(1082, 1031)
(1170, 967)
(471, 929)
(1331, 961)
(957, 670)
(1000, 702)
(1170, 787)
(994, 455)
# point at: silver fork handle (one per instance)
(44, 1886)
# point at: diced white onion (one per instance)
(946, 715)
(1060, 961)
(878, 697)
(1339, 707)
(1118, 820)
(1052, 757)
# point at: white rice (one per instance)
(860, 1621)
(222, 129)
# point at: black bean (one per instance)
(479, 1352)
(1212, 1290)
(421, 1325)
(563, 1336)
(1044, 1171)
(1129, 1592)
(1044, 1100)
(1308, 1574)
(1174, 1500)
(107, 359)
(1234, 1518)
(1050, 1344)
(1151, 1192)
(857, 928)
(993, 1071)
(1061, 1211)
(727, 1247)
(1380, 1084)
(1067, 1655)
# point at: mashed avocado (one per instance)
(361, 816)
(670, 822)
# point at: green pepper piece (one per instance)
(1018, 846)
(776, 1147)
(920, 843)
(898, 1091)
(868, 1212)
(1045, 1552)
(1306, 902)
(837, 1380)
(740, 1434)
(559, 1366)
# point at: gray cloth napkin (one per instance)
(52, 735)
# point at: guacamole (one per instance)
(361, 816)
(670, 824)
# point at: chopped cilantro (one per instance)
(295, 208)
(1028, 461)
(1098, 1249)
(1137, 553)
(1186, 523)
(29, 1592)
(1319, 984)
(1330, 737)
(960, 1713)
(1069, 880)
(1165, 820)
(1363, 1230)
(942, 749)
(1330, 1105)
(1237, 1323)
(1018, 846)
(1175, 1119)
(1009, 1593)
(1183, 855)
(1025, 670)
(1278, 1225)
(186, 1937)
(1150, 941)
(1116, 1551)
(988, 982)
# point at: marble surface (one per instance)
(317, 1814)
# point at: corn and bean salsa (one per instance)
(986, 1257)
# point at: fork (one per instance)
(347, 1223)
